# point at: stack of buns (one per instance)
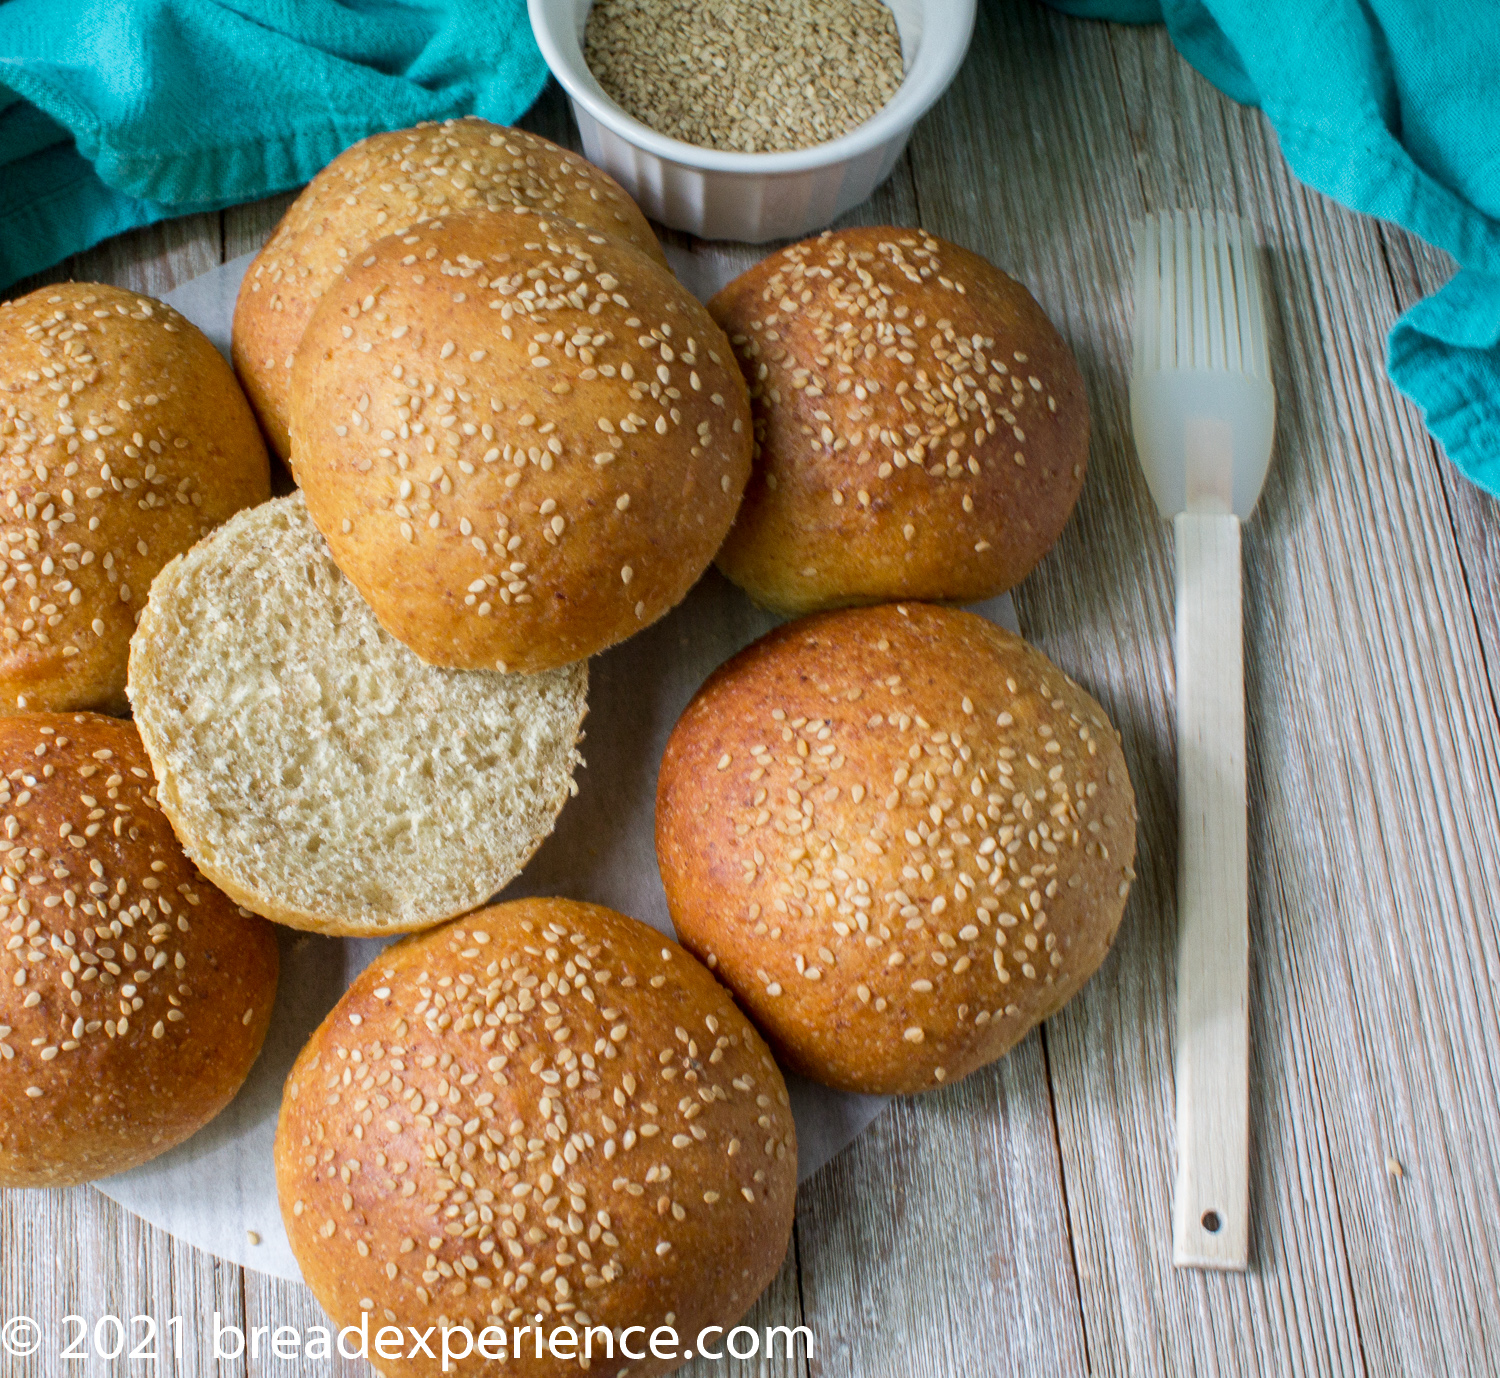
(390, 184)
(896, 835)
(523, 440)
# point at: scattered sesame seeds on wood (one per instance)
(746, 76)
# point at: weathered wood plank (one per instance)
(1372, 729)
(936, 1243)
(271, 1303)
(1028, 162)
(247, 227)
(67, 1253)
(153, 260)
(963, 1187)
(1413, 726)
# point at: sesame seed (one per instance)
(523, 1008)
(748, 78)
(933, 884)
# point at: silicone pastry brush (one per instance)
(1203, 410)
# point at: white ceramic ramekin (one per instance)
(755, 196)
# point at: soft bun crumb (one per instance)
(921, 428)
(544, 1108)
(312, 765)
(385, 185)
(134, 997)
(124, 438)
(900, 835)
(523, 440)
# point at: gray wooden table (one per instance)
(1018, 1223)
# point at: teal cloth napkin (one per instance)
(116, 113)
(1391, 107)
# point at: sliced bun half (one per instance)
(314, 768)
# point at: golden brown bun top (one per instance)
(921, 428)
(902, 837)
(123, 439)
(541, 1107)
(133, 995)
(523, 440)
(384, 185)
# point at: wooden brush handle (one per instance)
(1211, 1213)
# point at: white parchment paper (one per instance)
(219, 1187)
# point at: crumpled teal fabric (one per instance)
(1391, 107)
(115, 113)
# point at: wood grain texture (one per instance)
(67, 1253)
(1368, 735)
(1020, 1222)
(1211, 1195)
(152, 260)
(247, 227)
(902, 1190)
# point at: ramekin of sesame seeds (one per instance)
(725, 162)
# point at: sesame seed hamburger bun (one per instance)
(921, 429)
(123, 439)
(523, 440)
(317, 770)
(385, 185)
(900, 835)
(546, 1110)
(134, 997)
